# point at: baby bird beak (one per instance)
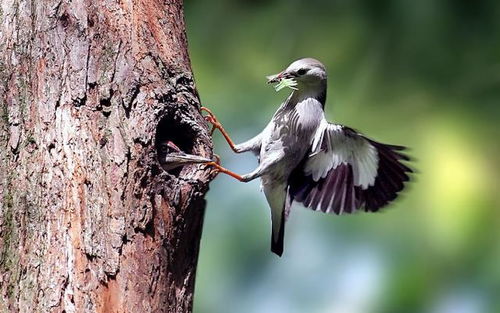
(174, 157)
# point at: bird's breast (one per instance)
(289, 136)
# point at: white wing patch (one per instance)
(334, 145)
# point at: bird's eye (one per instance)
(302, 71)
(164, 148)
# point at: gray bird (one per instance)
(304, 158)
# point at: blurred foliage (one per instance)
(425, 74)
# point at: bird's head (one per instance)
(303, 73)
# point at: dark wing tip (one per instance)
(396, 147)
(391, 177)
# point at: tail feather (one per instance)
(278, 241)
(276, 195)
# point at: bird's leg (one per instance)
(221, 169)
(217, 125)
(258, 172)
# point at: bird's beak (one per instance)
(275, 78)
(176, 159)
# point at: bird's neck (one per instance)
(304, 92)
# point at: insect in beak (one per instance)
(271, 79)
(284, 80)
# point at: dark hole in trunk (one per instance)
(170, 129)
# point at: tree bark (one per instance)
(89, 221)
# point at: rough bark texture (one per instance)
(89, 222)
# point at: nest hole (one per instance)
(172, 130)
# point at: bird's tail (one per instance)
(280, 201)
(276, 197)
(278, 236)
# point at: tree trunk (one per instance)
(89, 221)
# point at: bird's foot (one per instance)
(217, 158)
(217, 125)
(212, 120)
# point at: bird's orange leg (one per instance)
(221, 169)
(217, 125)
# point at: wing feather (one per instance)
(345, 172)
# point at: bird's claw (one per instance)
(205, 109)
(210, 118)
(213, 121)
(214, 167)
(217, 158)
(215, 163)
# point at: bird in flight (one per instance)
(304, 158)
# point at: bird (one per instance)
(304, 158)
(170, 156)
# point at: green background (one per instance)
(424, 74)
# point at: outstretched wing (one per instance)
(346, 171)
